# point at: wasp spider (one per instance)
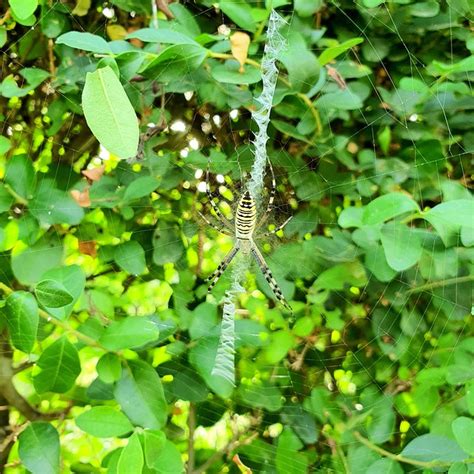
(246, 222)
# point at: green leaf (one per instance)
(85, 41)
(167, 246)
(338, 276)
(109, 368)
(372, 3)
(174, 62)
(109, 113)
(30, 263)
(161, 35)
(53, 206)
(39, 448)
(430, 447)
(153, 443)
(261, 395)
(306, 8)
(23, 8)
(72, 278)
(60, 366)
(463, 429)
(140, 187)
(129, 333)
(131, 457)
(104, 422)
(168, 460)
(130, 257)
(20, 175)
(52, 294)
(402, 246)
(229, 72)
(22, 319)
(381, 423)
(141, 395)
(331, 53)
(6, 199)
(387, 207)
(281, 343)
(288, 458)
(5, 143)
(448, 217)
(425, 9)
(302, 65)
(240, 13)
(202, 357)
(385, 465)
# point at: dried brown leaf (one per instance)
(239, 43)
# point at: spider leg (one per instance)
(222, 229)
(267, 273)
(225, 222)
(274, 231)
(214, 278)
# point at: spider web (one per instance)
(285, 170)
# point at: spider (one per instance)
(242, 229)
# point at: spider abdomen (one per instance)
(246, 217)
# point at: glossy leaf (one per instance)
(60, 366)
(52, 294)
(131, 457)
(85, 41)
(140, 394)
(130, 332)
(22, 320)
(387, 207)
(104, 422)
(430, 447)
(39, 448)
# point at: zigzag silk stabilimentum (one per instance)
(224, 364)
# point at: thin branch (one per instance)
(400, 458)
(440, 283)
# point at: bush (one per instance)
(109, 335)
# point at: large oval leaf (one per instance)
(109, 113)
(22, 320)
(129, 333)
(59, 365)
(39, 448)
(141, 395)
(104, 422)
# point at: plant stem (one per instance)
(400, 458)
(439, 283)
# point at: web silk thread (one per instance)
(224, 365)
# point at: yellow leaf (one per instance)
(116, 32)
(239, 43)
(82, 7)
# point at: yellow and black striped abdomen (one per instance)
(246, 217)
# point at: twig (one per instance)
(439, 283)
(5, 17)
(400, 458)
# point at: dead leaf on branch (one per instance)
(239, 43)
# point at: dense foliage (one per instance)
(108, 333)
